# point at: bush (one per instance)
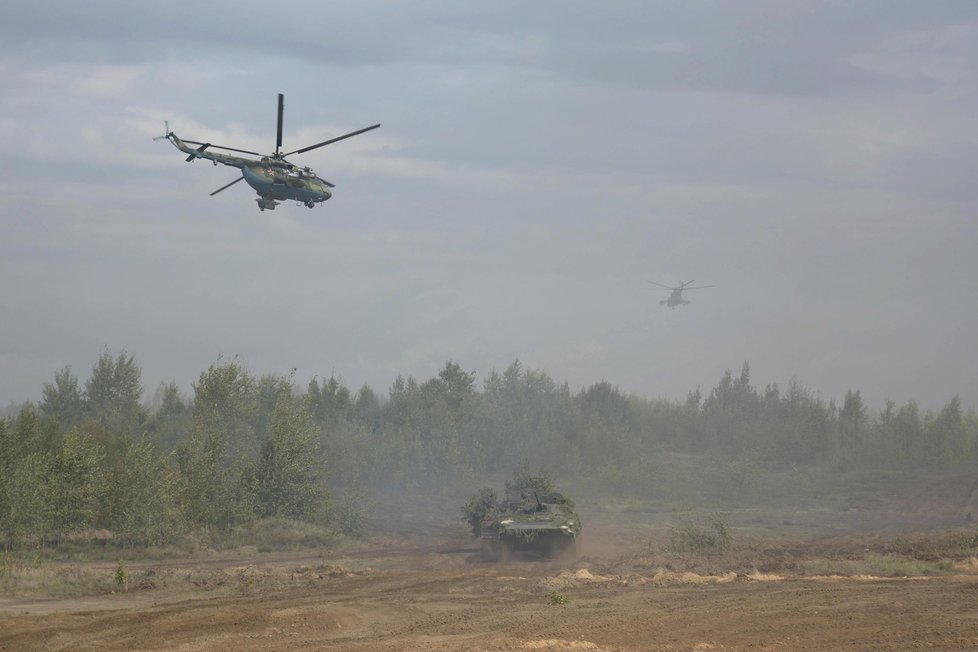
(349, 513)
(478, 507)
(712, 537)
(952, 544)
(557, 598)
(527, 483)
(122, 577)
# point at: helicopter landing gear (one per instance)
(265, 202)
(310, 204)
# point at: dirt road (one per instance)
(511, 607)
(424, 588)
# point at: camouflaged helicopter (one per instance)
(273, 177)
(676, 296)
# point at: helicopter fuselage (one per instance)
(282, 183)
(272, 178)
(675, 299)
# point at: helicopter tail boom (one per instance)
(199, 152)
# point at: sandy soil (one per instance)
(427, 589)
(507, 608)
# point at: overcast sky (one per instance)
(538, 164)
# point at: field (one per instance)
(879, 562)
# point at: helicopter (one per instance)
(273, 177)
(676, 298)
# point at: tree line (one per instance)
(99, 455)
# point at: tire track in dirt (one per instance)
(488, 609)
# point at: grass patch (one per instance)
(55, 580)
(897, 566)
(820, 567)
(832, 567)
(885, 565)
(953, 544)
(281, 534)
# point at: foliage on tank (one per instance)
(531, 514)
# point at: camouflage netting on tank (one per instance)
(530, 516)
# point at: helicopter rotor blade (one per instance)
(230, 149)
(278, 137)
(333, 140)
(199, 149)
(699, 287)
(227, 186)
(662, 286)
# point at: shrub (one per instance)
(556, 598)
(478, 507)
(349, 513)
(122, 576)
(712, 537)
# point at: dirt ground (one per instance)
(426, 588)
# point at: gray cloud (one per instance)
(537, 165)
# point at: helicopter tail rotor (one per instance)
(166, 132)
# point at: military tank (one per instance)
(525, 524)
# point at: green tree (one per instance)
(288, 475)
(945, 435)
(853, 420)
(27, 507)
(731, 412)
(26, 502)
(330, 403)
(77, 481)
(171, 417)
(225, 409)
(455, 385)
(213, 459)
(114, 391)
(31, 432)
(366, 408)
(63, 400)
(267, 392)
(908, 430)
(141, 497)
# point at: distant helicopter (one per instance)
(676, 298)
(274, 178)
